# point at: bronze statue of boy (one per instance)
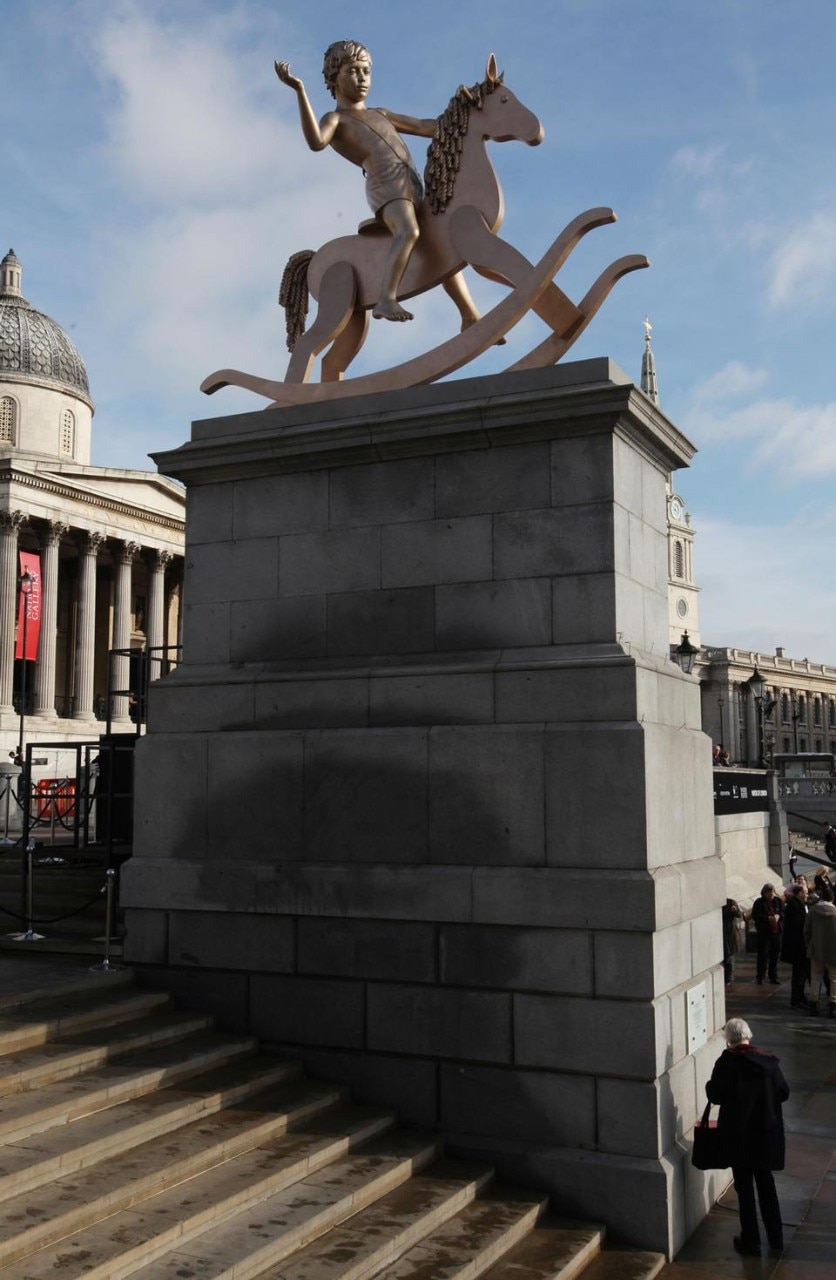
(370, 137)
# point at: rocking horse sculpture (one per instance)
(415, 243)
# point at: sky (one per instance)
(155, 181)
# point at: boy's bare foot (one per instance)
(388, 309)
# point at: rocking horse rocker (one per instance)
(457, 223)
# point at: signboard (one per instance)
(739, 792)
(29, 603)
(697, 999)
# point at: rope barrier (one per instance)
(57, 919)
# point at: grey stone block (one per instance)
(364, 891)
(366, 796)
(562, 1033)
(581, 470)
(450, 698)
(573, 694)
(250, 942)
(428, 1022)
(434, 551)
(173, 771)
(383, 493)
(208, 513)
(595, 795)
(407, 1085)
(266, 506)
(631, 1119)
(486, 795)
(533, 544)
(553, 960)
(380, 622)
(584, 608)
(561, 898)
(384, 950)
(188, 885)
(488, 615)
(327, 703)
(255, 796)
(501, 479)
(224, 571)
(224, 995)
(524, 1106)
(208, 707)
(206, 633)
(307, 1011)
(317, 563)
(623, 963)
(146, 937)
(272, 630)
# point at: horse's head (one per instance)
(502, 117)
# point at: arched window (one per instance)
(67, 432)
(8, 420)
(678, 560)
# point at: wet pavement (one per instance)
(807, 1186)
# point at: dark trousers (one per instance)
(769, 946)
(745, 1182)
(800, 973)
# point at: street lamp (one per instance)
(24, 586)
(757, 687)
(685, 654)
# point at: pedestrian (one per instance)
(820, 936)
(731, 915)
(822, 880)
(793, 946)
(748, 1085)
(830, 841)
(767, 911)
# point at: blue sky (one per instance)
(155, 181)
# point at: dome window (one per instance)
(68, 432)
(8, 420)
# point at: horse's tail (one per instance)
(293, 295)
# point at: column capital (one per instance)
(12, 521)
(90, 541)
(162, 559)
(128, 551)
(55, 530)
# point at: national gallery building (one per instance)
(91, 558)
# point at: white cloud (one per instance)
(802, 269)
(735, 379)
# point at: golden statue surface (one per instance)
(422, 235)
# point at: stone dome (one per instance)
(31, 344)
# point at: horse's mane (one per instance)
(444, 152)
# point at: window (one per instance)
(802, 711)
(67, 432)
(831, 713)
(817, 711)
(817, 746)
(8, 420)
(678, 560)
(785, 707)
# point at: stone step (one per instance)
(70, 1056)
(554, 1250)
(231, 1150)
(626, 1264)
(40, 985)
(253, 1084)
(72, 1013)
(23, 1114)
(252, 1211)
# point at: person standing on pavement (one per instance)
(793, 946)
(749, 1087)
(820, 936)
(767, 911)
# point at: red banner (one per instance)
(29, 607)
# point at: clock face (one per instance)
(676, 508)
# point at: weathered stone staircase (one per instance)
(137, 1141)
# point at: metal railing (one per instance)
(130, 672)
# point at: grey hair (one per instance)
(737, 1031)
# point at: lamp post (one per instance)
(684, 655)
(24, 587)
(764, 705)
(795, 722)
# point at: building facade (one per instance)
(91, 557)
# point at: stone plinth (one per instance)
(427, 803)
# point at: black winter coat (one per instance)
(793, 946)
(748, 1084)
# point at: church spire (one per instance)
(648, 383)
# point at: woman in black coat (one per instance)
(793, 946)
(766, 913)
(749, 1087)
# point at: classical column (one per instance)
(85, 640)
(10, 524)
(155, 626)
(45, 669)
(122, 627)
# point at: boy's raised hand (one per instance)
(284, 73)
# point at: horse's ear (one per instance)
(491, 74)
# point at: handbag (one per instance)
(708, 1151)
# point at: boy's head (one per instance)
(336, 55)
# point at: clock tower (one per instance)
(683, 604)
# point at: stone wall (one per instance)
(427, 803)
